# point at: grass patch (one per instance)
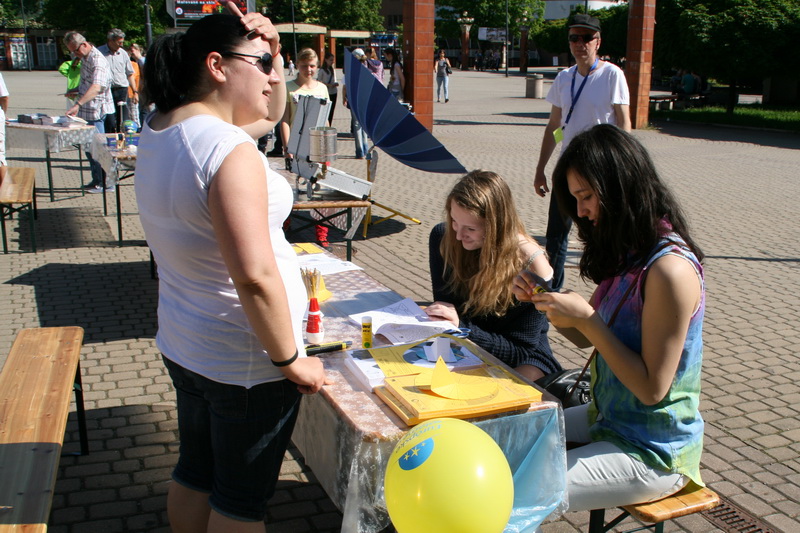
(751, 115)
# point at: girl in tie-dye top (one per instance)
(642, 435)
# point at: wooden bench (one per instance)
(16, 195)
(663, 103)
(691, 499)
(42, 369)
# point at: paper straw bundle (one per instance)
(313, 281)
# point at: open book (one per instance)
(403, 322)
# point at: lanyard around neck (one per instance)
(580, 89)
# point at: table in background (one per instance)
(346, 434)
(53, 139)
(118, 165)
(326, 207)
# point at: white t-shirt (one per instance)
(605, 87)
(201, 323)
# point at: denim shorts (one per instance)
(232, 440)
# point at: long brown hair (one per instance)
(483, 277)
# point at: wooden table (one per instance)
(327, 207)
(52, 139)
(346, 434)
(119, 165)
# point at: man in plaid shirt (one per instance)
(94, 100)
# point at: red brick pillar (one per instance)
(639, 63)
(418, 57)
(332, 49)
(319, 46)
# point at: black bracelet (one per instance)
(287, 362)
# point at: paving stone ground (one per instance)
(739, 188)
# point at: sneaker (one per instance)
(446, 100)
(90, 186)
(98, 190)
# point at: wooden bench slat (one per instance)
(35, 391)
(691, 499)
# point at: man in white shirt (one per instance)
(589, 93)
(121, 78)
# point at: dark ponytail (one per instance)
(174, 70)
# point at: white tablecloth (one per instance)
(53, 138)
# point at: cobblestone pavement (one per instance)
(738, 186)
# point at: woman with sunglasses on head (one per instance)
(642, 434)
(231, 299)
(474, 256)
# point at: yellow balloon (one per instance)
(448, 476)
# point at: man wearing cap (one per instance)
(589, 93)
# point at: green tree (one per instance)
(729, 40)
(488, 13)
(94, 18)
(361, 15)
(552, 36)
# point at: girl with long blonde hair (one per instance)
(474, 256)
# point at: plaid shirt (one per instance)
(95, 70)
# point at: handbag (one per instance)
(448, 70)
(572, 387)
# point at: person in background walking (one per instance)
(589, 93)
(359, 135)
(327, 75)
(397, 80)
(442, 69)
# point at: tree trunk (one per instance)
(733, 97)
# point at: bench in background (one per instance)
(17, 195)
(41, 372)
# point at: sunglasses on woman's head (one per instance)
(265, 60)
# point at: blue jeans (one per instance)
(232, 440)
(557, 235)
(360, 137)
(442, 80)
(98, 174)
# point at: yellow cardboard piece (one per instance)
(307, 247)
(457, 386)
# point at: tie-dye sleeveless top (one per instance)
(667, 436)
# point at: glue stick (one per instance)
(366, 331)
